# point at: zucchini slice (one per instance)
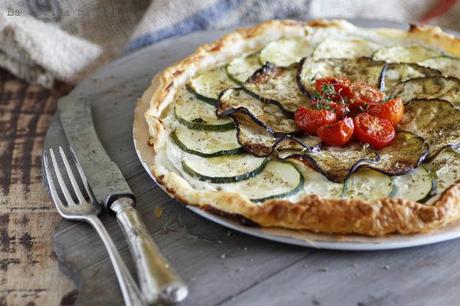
(415, 186)
(277, 85)
(400, 72)
(403, 155)
(206, 143)
(208, 84)
(445, 169)
(318, 184)
(241, 68)
(337, 163)
(195, 114)
(449, 66)
(435, 87)
(344, 48)
(436, 121)
(277, 180)
(405, 54)
(236, 167)
(285, 51)
(269, 116)
(367, 184)
(362, 69)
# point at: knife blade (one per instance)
(157, 280)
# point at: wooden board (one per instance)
(223, 267)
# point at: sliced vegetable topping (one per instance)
(344, 48)
(241, 68)
(209, 84)
(318, 184)
(363, 69)
(378, 132)
(405, 54)
(449, 66)
(269, 116)
(277, 85)
(206, 143)
(367, 184)
(392, 110)
(446, 88)
(337, 133)
(417, 185)
(400, 72)
(310, 120)
(235, 167)
(196, 114)
(445, 169)
(436, 121)
(284, 52)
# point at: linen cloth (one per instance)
(46, 40)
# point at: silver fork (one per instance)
(87, 210)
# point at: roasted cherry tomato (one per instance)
(376, 131)
(335, 89)
(364, 96)
(392, 110)
(309, 120)
(337, 133)
(340, 109)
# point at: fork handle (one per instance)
(157, 280)
(129, 289)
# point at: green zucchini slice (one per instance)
(269, 116)
(285, 51)
(208, 84)
(405, 54)
(403, 155)
(195, 114)
(206, 143)
(414, 186)
(318, 184)
(367, 184)
(436, 121)
(449, 66)
(362, 69)
(435, 87)
(344, 48)
(241, 68)
(277, 85)
(400, 72)
(236, 167)
(445, 169)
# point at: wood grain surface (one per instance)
(29, 273)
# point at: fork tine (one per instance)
(50, 181)
(82, 174)
(62, 184)
(71, 175)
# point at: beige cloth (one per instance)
(46, 40)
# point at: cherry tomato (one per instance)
(309, 120)
(337, 133)
(392, 110)
(364, 96)
(340, 109)
(335, 89)
(376, 131)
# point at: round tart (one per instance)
(224, 134)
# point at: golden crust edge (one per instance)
(331, 216)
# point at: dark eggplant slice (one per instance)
(434, 87)
(403, 155)
(357, 69)
(258, 141)
(437, 121)
(269, 116)
(277, 85)
(397, 73)
(337, 163)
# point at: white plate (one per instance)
(300, 238)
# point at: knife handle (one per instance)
(157, 280)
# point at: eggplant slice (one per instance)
(277, 85)
(437, 121)
(400, 72)
(269, 116)
(435, 87)
(358, 69)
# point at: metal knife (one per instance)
(157, 280)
